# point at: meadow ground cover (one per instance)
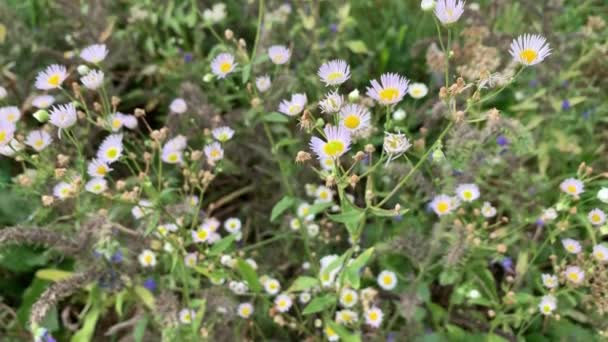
(303, 170)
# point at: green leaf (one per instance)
(145, 295)
(285, 203)
(220, 246)
(246, 73)
(319, 304)
(350, 219)
(303, 283)
(153, 223)
(120, 300)
(345, 334)
(140, 329)
(352, 271)
(387, 213)
(319, 207)
(85, 334)
(53, 274)
(249, 275)
(357, 46)
(275, 117)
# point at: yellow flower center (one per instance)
(65, 191)
(282, 303)
(245, 311)
(600, 255)
(467, 194)
(323, 195)
(352, 121)
(54, 80)
(570, 248)
(97, 187)
(293, 109)
(571, 188)
(101, 170)
(38, 143)
(273, 286)
(325, 277)
(173, 157)
(388, 94)
(387, 280)
(595, 218)
(223, 137)
(547, 308)
(11, 117)
(373, 316)
(330, 332)
(225, 67)
(2, 136)
(348, 298)
(334, 76)
(202, 234)
(116, 123)
(528, 55)
(416, 91)
(112, 153)
(443, 207)
(573, 276)
(333, 148)
(214, 153)
(187, 317)
(148, 259)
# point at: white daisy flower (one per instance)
(418, 90)
(602, 195)
(354, 118)
(327, 163)
(549, 214)
(98, 168)
(43, 101)
(222, 134)
(600, 253)
(279, 54)
(201, 235)
(214, 152)
(334, 72)
(530, 49)
(272, 286)
(283, 303)
(223, 64)
(10, 114)
(387, 280)
(110, 149)
(63, 190)
(96, 185)
(304, 297)
(172, 151)
(549, 280)
(263, 83)
(575, 274)
(449, 11)
(324, 194)
(93, 80)
(427, 5)
(443, 204)
(245, 310)
(143, 208)
(313, 229)
(572, 246)
(597, 217)
(332, 103)
(211, 223)
(38, 140)
(238, 287)
(186, 316)
(374, 317)
(348, 298)
(215, 14)
(295, 224)
(129, 121)
(233, 225)
(192, 201)
(63, 116)
(390, 90)
(94, 53)
(467, 192)
(346, 317)
(572, 186)
(7, 132)
(116, 121)
(547, 304)
(395, 145)
(51, 78)
(303, 212)
(337, 143)
(11, 148)
(165, 229)
(147, 258)
(190, 260)
(331, 335)
(294, 106)
(487, 210)
(178, 106)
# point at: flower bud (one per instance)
(353, 95)
(83, 69)
(41, 115)
(208, 78)
(427, 5)
(399, 115)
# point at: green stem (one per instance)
(285, 181)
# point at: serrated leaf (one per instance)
(285, 203)
(249, 275)
(303, 283)
(319, 304)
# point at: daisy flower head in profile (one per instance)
(63, 116)
(283, 302)
(11, 148)
(110, 149)
(51, 78)
(572, 246)
(418, 90)
(336, 144)
(443, 204)
(387, 280)
(467, 192)
(38, 140)
(172, 150)
(93, 80)
(354, 117)
(279, 54)
(178, 106)
(600, 253)
(214, 152)
(96, 185)
(294, 106)
(63, 190)
(43, 101)
(263, 83)
(547, 305)
(332, 103)
(488, 210)
(374, 317)
(449, 11)
(574, 274)
(245, 310)
(10, 114)
(572, 186)
(222, 134)
(98, 168)
(118, 120)
(395, 145)
(597, 217)
(223, 64)
(391, 88)
(347, 317)
(529, 49)
(334, 72)
(95, 53)
(190, 259)
(7, 132)
(549, 280)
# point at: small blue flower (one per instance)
(333, 28)
(566, 105)
(398, 218)
(150, 284)
(188, 57)
(540, 222)
(587, 114)
(533, 83)
(501, 140)
(507, 264)
(117, 257)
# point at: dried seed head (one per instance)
(139, 113)
(302, 157)
(229, 34)
(115, 101)
(62, 160)
(196, 155)
(97, 106)
(47, 201)
(353, 180)
(369, 148)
